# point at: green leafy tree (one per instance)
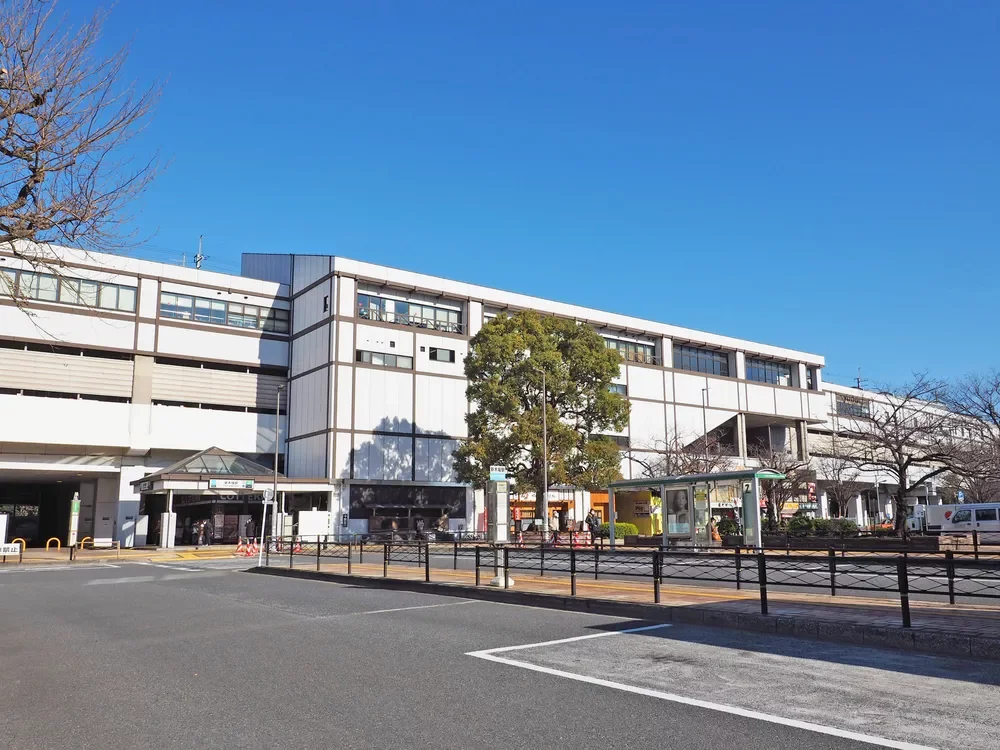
(504, 367)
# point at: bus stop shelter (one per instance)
(684, 516)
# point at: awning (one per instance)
(686, 479)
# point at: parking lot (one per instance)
(205, 655)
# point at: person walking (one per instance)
(209, 530)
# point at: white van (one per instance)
(962, 518)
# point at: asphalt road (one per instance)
(203, 655)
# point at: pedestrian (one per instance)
(592, 524)
(196, 533)
(209, 532)
(250, 530)
(713, 531)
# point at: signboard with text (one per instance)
(230, 484)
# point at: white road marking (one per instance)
(168, 567)
(35, 568)
(407, 609)
(131, 579)
(491, 655)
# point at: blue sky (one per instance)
(822, 176)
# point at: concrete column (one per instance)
(667, 351)
(741, 366)
(857, 510)
(800, 376)
(803, 434)
(168, 523)
(741, 435)
(824, 505)
(818, 378)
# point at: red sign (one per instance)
(515, 513)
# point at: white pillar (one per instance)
(824, 505)
(168, 523)
(611, 516)
(857, 510)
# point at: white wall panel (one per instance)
(388, 340)
(308, 308)
(687, 388)
(383, 399)
(668, 386)
(441, 406)
(646, 427)
(345, 342)
(215, 343)
(383, 457)
(819, 406)
(146, 340)
(760, 398)
(308, 402)
(691, 423)
(435, 462)
(345, 387)
(789, 403)
(424, 363)
(307, 457)
(63, 421)
(348, 297)
(723, 394)
(310, 351)
(149, 298)
(180, 428)
(67, 328)
(342, 456)
(644, 382)
(65, 373)
(307, 269)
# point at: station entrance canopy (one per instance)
(685, 516)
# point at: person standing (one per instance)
(209, 531)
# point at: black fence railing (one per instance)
(946, 575)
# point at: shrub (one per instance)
(800, 525)
(822, 527)
(843, 527)
(727, 527)
(622, 530)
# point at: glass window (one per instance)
(405, 363)
(48, 287)
(126, 299)
(961, 515)
(109, 298)
(986, 514)
(250, 316)
(69, 291)
(202, 310)
(8, 282)
(89, 293)
(618, 388)
(28, 284)
(442, 355)
(218, 314)
(280, 320)
(766, 371)
(402, 313)
(696, 359)
(378, 358)
(850, 406)
(632, 351)
(235, 315)
(363, 356)
(371, 307)
(184, 309)
(811, 378)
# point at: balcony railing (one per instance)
(404, 319)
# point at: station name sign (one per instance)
(230, 484)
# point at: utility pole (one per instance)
(199, 257)
(545, 459)
(277, 447)
(704, 424)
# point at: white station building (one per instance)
(140, 388)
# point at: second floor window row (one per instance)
(633, 352)
(696, 359)
(46, 287)
(220, 312)
(766, 371)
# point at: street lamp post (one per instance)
(277, 447)
(545, 459)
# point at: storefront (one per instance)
(407, 509)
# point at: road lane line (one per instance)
(407, 609)
(132, 579)
(491, 655)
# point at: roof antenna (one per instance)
(199, 257)
(861, 382)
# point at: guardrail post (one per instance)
(291, 553)
(71, 548)
(572, 571)
(385, 559)
(506, 565)
(427, 562)
(833, 572)
(739, 568)
(656, 576)
(361, 552)
(597, 559)
(317, 552)
(949, 558)
(541, 559)
(975, 543)
(477, 565)
(903, 583)
(267, 552)
(455, 559)
(348, 557)
(762, 581)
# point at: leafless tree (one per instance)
(907, 436)
(976, 401)
(840, 480)
(779, 492)
(679, 455)
(67, 115)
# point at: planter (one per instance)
(858, 543)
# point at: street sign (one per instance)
(961, 496)
(498, 473)
(10, 549)
(230, 484)
(268, 494)
(145, 486)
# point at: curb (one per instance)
(938, 642)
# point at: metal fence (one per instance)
(943, 575)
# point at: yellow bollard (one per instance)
(23, 543)
(53, 539)
(85, 540)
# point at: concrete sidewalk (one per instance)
(961, 629)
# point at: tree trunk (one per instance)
(899, 511)
(541, 506)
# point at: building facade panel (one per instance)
(383, 400)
